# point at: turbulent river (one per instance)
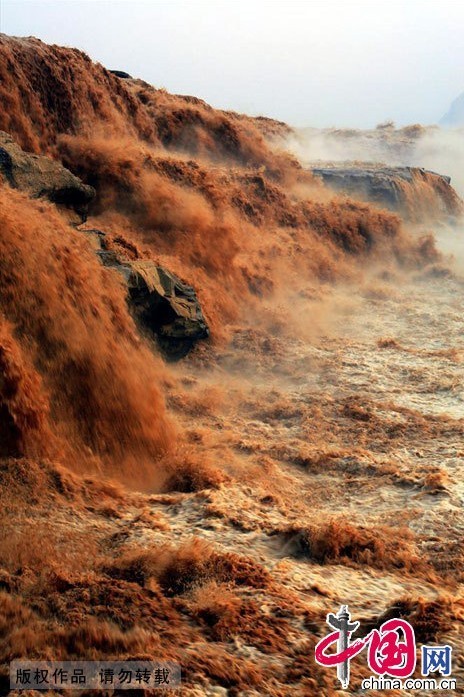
(346, 447)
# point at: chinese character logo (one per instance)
(436, 658)
(391, 649)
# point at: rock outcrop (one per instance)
(166, 306)
(161, 303)
(417, 194)
(41, 176)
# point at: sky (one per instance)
(307, 62)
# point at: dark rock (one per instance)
(377, 185)
(400, 189)
(121, 74)
(110, 258)
(41, 176)
(96, 239)
(167, 306)
(162, 303)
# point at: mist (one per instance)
(433, 148)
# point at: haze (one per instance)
(308, 63)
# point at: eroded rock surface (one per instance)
(165, 305)
(41, 176)
(416, 193)
(161, 302)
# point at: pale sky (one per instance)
(307, 62)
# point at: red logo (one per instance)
(391, 649)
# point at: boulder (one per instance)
(167, 306)
(161, 303)
(41, 176)
(415, 193)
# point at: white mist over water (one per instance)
(433, 148)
